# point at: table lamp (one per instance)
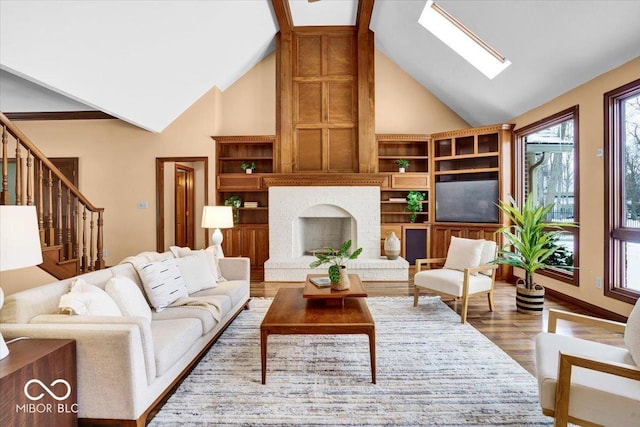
(217, 217)
(19, 245)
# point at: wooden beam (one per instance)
(283, 15)
(363, 18)
(59, 115)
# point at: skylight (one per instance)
(462, 40)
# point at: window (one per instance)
(622, 183)
(547, 168)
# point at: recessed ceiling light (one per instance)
(462, 40)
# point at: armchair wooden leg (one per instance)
(415, 296)
(490, 299)
(463, 310)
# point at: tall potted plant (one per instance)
(532, 241)
(337, 270)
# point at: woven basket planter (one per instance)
(529, 301)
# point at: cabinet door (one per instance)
(232, 242)
(255, 245)
(415, 245)
(441, 236)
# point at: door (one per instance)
(184, 207)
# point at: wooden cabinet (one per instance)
(414, 240)
(38, 384)
(250, 236)
(415, 150)
(472, 155)
(248, 240)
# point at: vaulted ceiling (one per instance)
(146, 62)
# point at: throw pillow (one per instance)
(179, 252)
(632, 333)
(86, 299)
(196, 271)
(128, 297)
(488, 255)
(463, 253)
(162, 282)
(212, 253)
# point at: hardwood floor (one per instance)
(513, 332)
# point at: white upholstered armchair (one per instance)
(586, 382)
(466, 272)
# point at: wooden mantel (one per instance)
(324, 179)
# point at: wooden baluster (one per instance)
(30, 173)
(76, 228)
(50, 232)
(40, 198)
(18, 173)
(68, 246)
(84, 264)
(100, 259)
(4, 194)
(58, 217)
(92, 251)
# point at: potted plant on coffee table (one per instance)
(337, 270)
(530, 242)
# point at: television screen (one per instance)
(467, 201)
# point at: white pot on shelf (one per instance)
(248, 170)
(401, 170)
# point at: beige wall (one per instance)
(404, 106)
(589, 98)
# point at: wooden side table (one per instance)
(38, 383)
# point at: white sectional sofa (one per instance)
(128, 364)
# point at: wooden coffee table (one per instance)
(292, 314)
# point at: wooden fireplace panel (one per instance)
(309, 102)
(308, 146)
(309, 55)
(341, 102)
(341, 54)
(342, 150)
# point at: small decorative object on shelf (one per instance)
(235, 202)
(250, 204)
(392, 246)
(402, 165)
(248, 167)
(337, 270)
(414, 203)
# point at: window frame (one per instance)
(615, 233)
(571, 113)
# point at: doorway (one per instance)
(184, 205)
(167, 225)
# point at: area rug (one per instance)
(432, 370)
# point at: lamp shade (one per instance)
(217, 217)
(19, 237)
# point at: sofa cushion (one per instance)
(601, 398)
(450, 281)
(632, 333)
(172, 339)
(196, 271)
(163, 282)
(86, 299)
(237, 290)
(202, 314)
(463, 253)
(128, 297)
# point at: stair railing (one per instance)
(65, 217)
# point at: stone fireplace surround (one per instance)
(297, 215)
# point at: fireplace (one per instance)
(303, 219)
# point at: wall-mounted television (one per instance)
(467, 201)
